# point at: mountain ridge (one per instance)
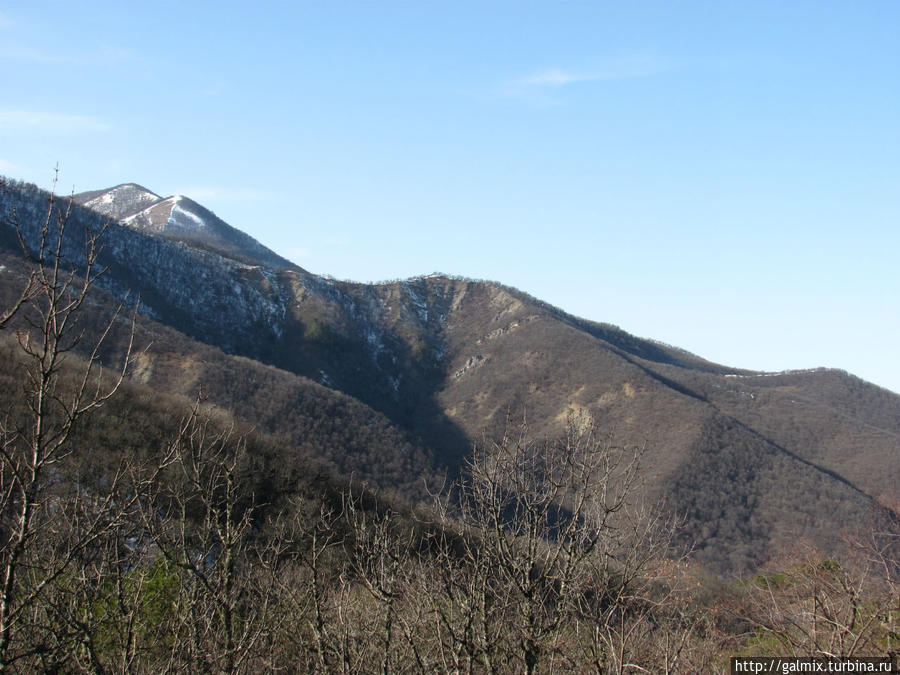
(750, 461)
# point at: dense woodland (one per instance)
(142, 532)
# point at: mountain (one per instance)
(178, 218)
(118, 202)
(753, 462)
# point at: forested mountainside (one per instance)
(392, 383)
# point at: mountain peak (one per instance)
(118, 202)
(178, 218)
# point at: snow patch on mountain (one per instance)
(179, 214)
(122, 201)
(779, 373)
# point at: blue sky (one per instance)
(721, 176)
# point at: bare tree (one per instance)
(380, 549)
(466, 622)
(94, 613)
(199, 517)
(43, 529)
(545, 531)
(822, 607)
(306, 585)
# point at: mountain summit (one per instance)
(120, 201)
(178, 218)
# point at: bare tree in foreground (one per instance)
(821, 607)
(200, 519)
(47, 526)
(551, 537)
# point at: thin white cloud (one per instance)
(5, 21)
(553, 77)
(16, 121)
(536, 86)
(615, 69)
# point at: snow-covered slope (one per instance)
(119, 202)
(176, 215)
(179, 218)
